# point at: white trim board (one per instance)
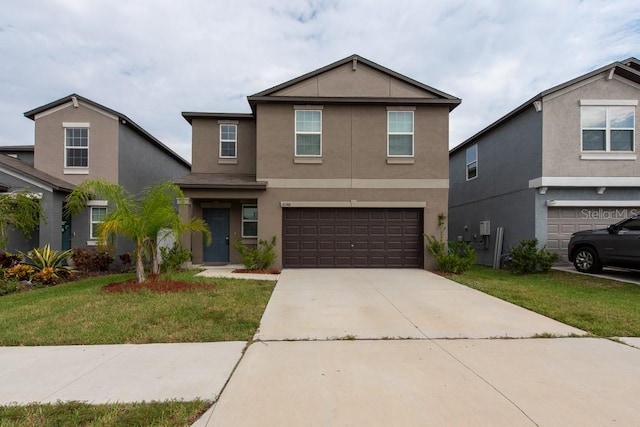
(356, 183)
(585, 181)
(594, 203)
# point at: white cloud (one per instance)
(151, 60)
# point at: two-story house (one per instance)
(565, 160)
(77, 139)
(346, 166)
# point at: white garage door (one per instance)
(563, 222)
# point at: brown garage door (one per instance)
(345, 237)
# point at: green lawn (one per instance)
(170, 413)
(605, 308)
(80, 313)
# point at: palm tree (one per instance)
(144, 219)
(20, 210)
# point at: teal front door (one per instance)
(66, 233)
(218, 222)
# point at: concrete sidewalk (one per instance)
(116, 373)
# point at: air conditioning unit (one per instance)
(485, 228)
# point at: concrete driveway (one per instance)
(330, 355)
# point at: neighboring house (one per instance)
(18, 175)
(77, 139)
(346, 166)
(565, 160)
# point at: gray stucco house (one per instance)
(345, 165)
(563, 161)
(77, 139)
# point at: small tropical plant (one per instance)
(50, 261)
(8, 260)
(262, 256)
(19, 272)
(452, 257)
(526, 258)
(174, 257)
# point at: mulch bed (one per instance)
(154, 285)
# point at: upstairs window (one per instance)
(472, 162)
(76, 144)
(249, 220)
(228, 140)
(608, 128)
(308, 133)
(400, 133)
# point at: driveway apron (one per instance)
(407, 348)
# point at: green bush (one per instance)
(258, 258)
(174, 257)
(9, 287)
(526, 258)
(457, 258)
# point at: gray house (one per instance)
(77, 139)
(563, 161)
(345, 165)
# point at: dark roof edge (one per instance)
(20, 168)
(189, 115)
(256, 186)
(453, 103)
(31, 115)
(346, 61)
(547, 92)
(16, 148)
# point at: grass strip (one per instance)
(602, 307)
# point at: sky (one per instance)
(153, 59)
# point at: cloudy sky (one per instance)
(153, 59)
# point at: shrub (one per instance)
(7, 260)
(260, 257)
(92, 260)
(457, 258)
(9, 287)
(174, 257)
(47, 276)
(19, 272)
(526, 258)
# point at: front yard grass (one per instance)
(605, 308)
(80, 313)
(169, 413)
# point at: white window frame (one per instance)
(606, 103)
(234, 141)
(249, 205)
(94, 224)
(72, 126)
(472, 162)
(297, 132)
(389, 133)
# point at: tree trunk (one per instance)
(155, 266)
(140, 265)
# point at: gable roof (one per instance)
(189, 116)
(628, 69)
(439, 97)
(26, 172)
(74, 98)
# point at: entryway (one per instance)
(218, 221)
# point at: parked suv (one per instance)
(618, 246)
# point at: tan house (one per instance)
(77, 139)
(347, 166)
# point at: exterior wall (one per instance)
(354, 144)
(270, 208)
(25, 156)
(562, 131)
(344, 81)
(206, 147)
(142, 164)
(103, 142)
(16, 240)
(508, 157)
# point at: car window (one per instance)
(634, 224)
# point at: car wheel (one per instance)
(586, 260)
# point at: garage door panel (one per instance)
(345, 237)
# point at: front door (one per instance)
(65, 244)
(218, 221)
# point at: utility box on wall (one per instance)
(485, 228)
